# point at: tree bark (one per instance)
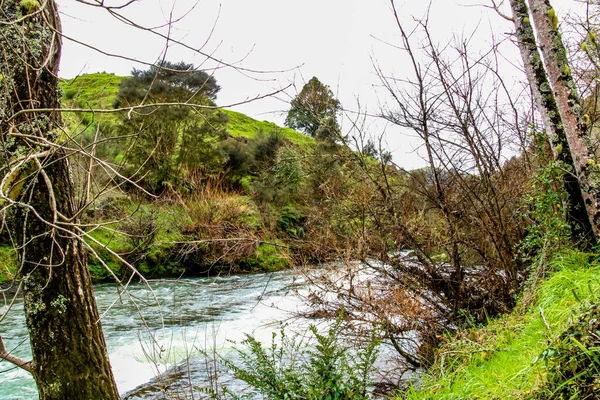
(580, 212)
(70, 359)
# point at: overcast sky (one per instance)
(284, 41)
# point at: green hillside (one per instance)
(99, 91)
(95, 91)
(241, 125)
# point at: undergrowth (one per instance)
(514, 357)
(326, 369)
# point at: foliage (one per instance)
(508, 358)
(544, 205)
(174, 139)
(292, 222)
(573, 359)
(256, 156)
(327, 369)
(167, 80)
(264, 150)
(279, 178)
(313, 111)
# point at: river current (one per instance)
(146, 336)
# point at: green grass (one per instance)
(8, 263)
(504, 359)
(95, 91)
(91, 92)
(240, 125)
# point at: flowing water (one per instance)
(146, 337)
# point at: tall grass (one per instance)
(507, 358)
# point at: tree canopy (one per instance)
(314, 111)
(168, 81)
(171, 140)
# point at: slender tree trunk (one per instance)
(70, 360)
(556, 64)
(562, 125)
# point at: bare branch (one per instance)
(19, 362)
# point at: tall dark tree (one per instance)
(180, 133)
(314, 111)
(69, 351)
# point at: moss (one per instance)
(267, 257)
(99, 272)
(164, 268)
(553, 18)
(59, 303)
(29, 6)
(33, 305)
(559, 148)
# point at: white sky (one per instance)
(334, 40)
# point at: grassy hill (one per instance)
(241, 125)
(96, 91)
(99, 91)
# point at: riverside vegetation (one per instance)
(479, 270)
(274, 198)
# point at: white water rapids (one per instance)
(195, 315)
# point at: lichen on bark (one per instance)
(579, 221)
(69, 351)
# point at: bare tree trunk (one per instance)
(70, 360)
(559, 125)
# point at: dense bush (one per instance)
(167, 143)
(573, 360)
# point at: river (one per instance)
(146, 337)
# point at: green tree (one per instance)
(178, 132)
(314, 111)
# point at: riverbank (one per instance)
(546, 348)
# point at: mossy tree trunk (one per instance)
(550, 76)
(70, 360)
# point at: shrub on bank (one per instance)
(288, 369)
(542, 350)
